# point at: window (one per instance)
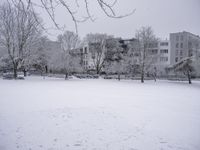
(86, 50)
(177, 45)
(177, 52)
(163, 59)
(153, 45)
(164, 51)
(153, 51)
(181, 45)
(176, 59)
(164, 44)
(181, 53)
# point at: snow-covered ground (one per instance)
(54, 114)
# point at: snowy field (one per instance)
(54, 114)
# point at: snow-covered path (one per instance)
(54, 114)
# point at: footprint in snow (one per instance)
(19, 137)
(55, 140)
(41, 146)
(163, 142)
(78, 144)
(132, 149)
(18, 129)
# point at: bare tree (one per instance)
(50, 6)
(97, 48)
(69, 42)
(18, 28)
(146, 40)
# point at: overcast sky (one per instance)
(165, 16)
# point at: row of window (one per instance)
(85, 63)
(179, 45)
(163, 59)
(84, 50)
(164, 51)
(177, 52)
(164, 44)
(153, 45)
(155, 51)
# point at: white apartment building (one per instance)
(183, 44)
(159, 52)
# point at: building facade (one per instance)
(159, 55)
(164, 56)
(183, 44)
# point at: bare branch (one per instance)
(50, 7)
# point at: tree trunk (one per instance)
(66, 76)
(119, 77)
(142, 74)
(154, 76)
(15, 71)
(98, 70)
(46, 69)
(142, 77)
(189, 77)
(25, 72)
